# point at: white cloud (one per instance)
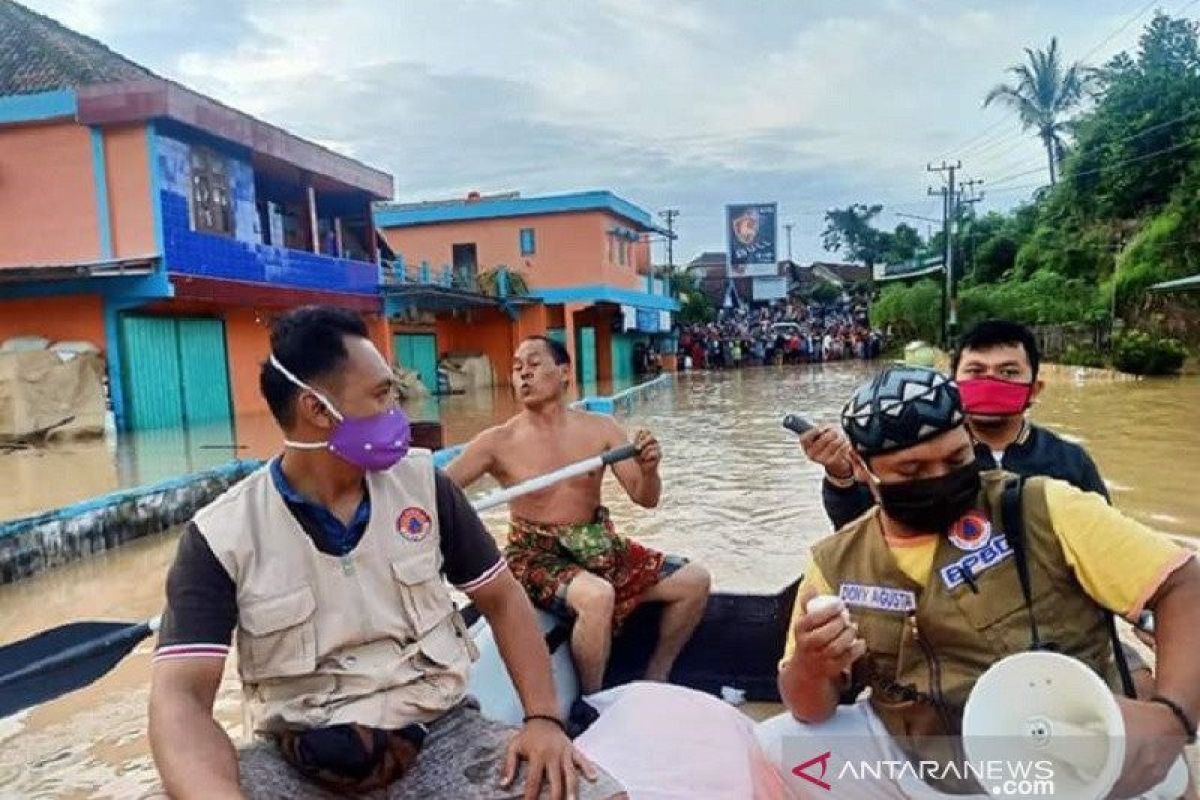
(814, 104)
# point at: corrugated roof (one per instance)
(38, 54)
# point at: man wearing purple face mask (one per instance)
(329, 563)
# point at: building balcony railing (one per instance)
(497, 283)
(221, 257)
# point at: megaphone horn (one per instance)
(1052, 709)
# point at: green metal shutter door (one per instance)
(153, 389)
(418, 352)
(204, 368)
(426, 357)
(622, 357)
(585, 350)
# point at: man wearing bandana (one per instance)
(933, 593)
(996, 367)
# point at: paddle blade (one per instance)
(62, 660)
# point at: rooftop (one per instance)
(476, 207)
(48, 70)
(38, 54)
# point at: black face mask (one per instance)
(932, 504)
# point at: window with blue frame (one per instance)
(528, 242)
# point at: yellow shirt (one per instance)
(1118, 561)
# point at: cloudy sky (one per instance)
(691, 105)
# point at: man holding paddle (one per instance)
(329, 564)
(562, 544)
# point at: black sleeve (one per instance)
(844, 505)
(1089, 476)
(469, 552)
(201, 597)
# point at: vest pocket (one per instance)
(423, 594)
(277, 635)
(442, 646)
(1003, 620)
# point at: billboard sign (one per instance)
(751, 231)
(770, 288)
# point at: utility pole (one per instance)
(967, 197)
(949, 195)
(788, 227)
(669, 214)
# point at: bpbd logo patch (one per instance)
(972, 531)
(414, 523)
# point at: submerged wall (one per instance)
(33, 544)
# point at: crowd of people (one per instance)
(785, 332)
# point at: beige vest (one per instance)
(372, 637)
(927, 645)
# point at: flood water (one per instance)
(738, 496)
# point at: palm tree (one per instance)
(1044, 93)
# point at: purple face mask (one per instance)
(373, 443)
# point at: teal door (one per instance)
(557, 334)
(204, 370)
(622, 357)
(418, 352)
(174, 371)
(585, 352)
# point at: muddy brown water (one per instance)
(737, 496)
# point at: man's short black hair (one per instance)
(994, 333)
(309, 342)
(558, 351)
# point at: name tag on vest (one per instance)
(880, 598)
(996, 550)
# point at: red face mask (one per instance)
(994, 397)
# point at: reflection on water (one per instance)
(43, 479)
(1143, 436)
(738, 496)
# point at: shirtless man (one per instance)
(562, 545)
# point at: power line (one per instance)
(970, 144)
(1102, 167)
(1118, 31)
(1098, 170)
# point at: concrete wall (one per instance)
(487, 331)
(571, 248)
(48, 195)
(60, 318)
(127, 169)
(247, 343)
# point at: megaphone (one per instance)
(1050, 709)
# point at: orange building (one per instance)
(584, 258)
(165, 227)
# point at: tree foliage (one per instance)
(849, 231)
(1045, 92)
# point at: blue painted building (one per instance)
(165, 227)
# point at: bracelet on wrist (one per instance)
(1185, 722)
(840, 481)
(546, 717)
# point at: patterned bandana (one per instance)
(900, 407)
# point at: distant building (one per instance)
(584, 256)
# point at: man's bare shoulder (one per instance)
(593, 422)
(496, 436)
(598, 426)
